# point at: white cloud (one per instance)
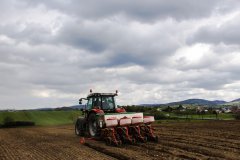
(4, 40)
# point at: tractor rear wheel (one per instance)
(92, 125)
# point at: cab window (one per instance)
(108, 103)
(97, 102)
(89, 103)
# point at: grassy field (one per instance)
(221, 116)
(42, 117)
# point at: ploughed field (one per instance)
(183, 140)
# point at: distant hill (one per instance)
(80, 106)
(43, 109)
(190, 102)
(198, 102)
(150, 105)
(219, 102)
(235, 102)
(64, 108)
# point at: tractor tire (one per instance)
(156, 139)
(79, 127)
(119, 143)
(145, 139)
(93, 129)
(108, 141)
(133, 141)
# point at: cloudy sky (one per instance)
(153, 51)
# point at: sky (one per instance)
(52, 52)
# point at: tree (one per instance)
(216, 113)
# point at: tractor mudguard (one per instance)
(97, 111)
(120, 110)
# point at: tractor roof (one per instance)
(101, 94)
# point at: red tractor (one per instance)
(105, 120)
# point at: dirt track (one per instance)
(202, 140)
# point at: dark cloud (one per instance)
(117, 44)
(144, 11)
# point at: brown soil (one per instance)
(185, 140)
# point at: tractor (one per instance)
(103, 119)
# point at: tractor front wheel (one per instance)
(79, 127)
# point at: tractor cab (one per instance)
(101, 103)
(105, 102)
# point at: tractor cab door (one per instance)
(96, 103)
(88, 106)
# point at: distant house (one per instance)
(201, 110)
(226, 110)
(181, 108)
(217, 111)
(235, 109)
